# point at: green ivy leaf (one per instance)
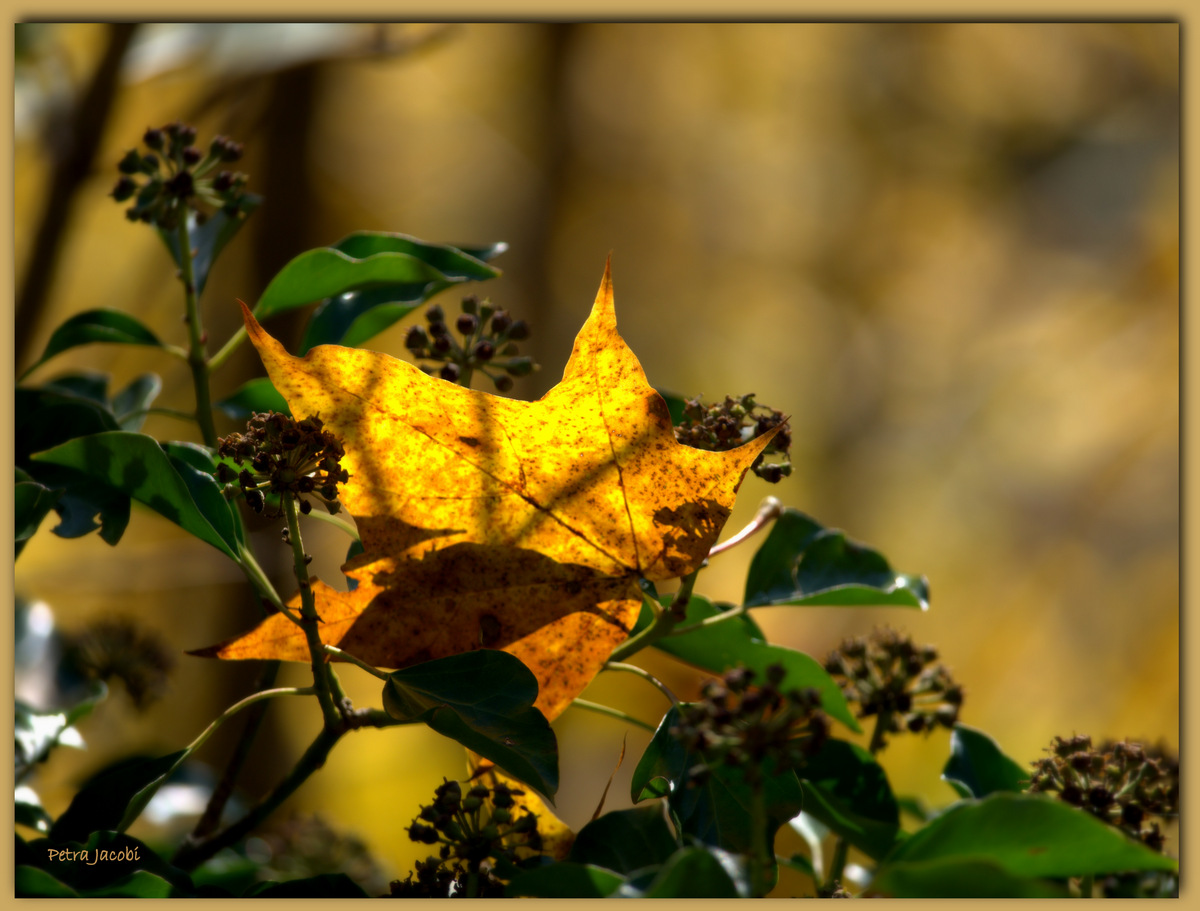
(802, 562)
(257, 395)
(738, 640)
(1028, 835)
(717, 812)
(354, 316)
(93, 326)
(624, 840)
(130, 404)
(197, 468)
(32, 882)
(111, 861)
(136, 465)
(484, 700)
(209, 238)
(958, 878)
(564, 880)
(848, 791)
(138, 884)
(32, 502)
(977, 767)
(31, 814)
(691, 872)
(100, 805)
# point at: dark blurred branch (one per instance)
(71, 168)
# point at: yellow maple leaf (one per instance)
(493, 522)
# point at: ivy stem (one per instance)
(644, 674)
(346, 656)
(882, 722)
(309, 619)
(612, 713)
(196, 357)
(837, 866)
(768, 511)
(710, 621)
(258, 578)
(664, 623)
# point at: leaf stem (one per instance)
(196, 357)
(644, 674)
(664, 620)
(612, 713)
(710, 621)
(309, 619)
(837, 866)
(769, 510)
(227, 349)
(143, 797)
(346, 656)
(334, 520)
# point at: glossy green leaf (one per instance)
(138, 884)
(848, 791)
(1029, 835)
(33, 815)
(357, 315)
(484, 700)
(717, 812)
(197, 468)
(624, 840)
(977, 767)
(325, 885)
(690, 872)
(130, 404)
(564, 880)
(328, 272)
(802, 562)
(257, 395)
(101, 803)
(37, 733)
(958, 878)
(92, 326)
(738, 640)
(33, 882)
(210, 238)
(136, 465)
(32, 502)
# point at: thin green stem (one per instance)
(196, 357)
(769, 510)
(709, 621)
(334, 520)
(837, 866)
(612, 713)
(142, 798)
(235, 340)
(309, 619)
(664, 623)
(346, 656)
(882, 722)
(645, 675)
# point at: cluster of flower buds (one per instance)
(755, 728)
(1122, 783)
(479, 831)
(730, 424)
(488, 344)
(888, 676)
(177, 175)
(285, 456)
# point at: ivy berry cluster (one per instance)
(487, 342)
(285, 456)
(888, 676)
(479, 833)
(176, 176)
(1122, 783)
(740, 724)
(729, 424)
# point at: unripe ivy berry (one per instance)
(192, 155)
(438, 329)
(416, 340)
(519, 366)
(441, 344)
(501, 321)
(123, 189)
(131, 163)
(450, 372)
(466, 323)
(503, 383)
(435, 314)
(153, 139)
(519, 330)
(470, 304)
(484, 350)
(223, 181)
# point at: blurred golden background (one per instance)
(949, 252)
